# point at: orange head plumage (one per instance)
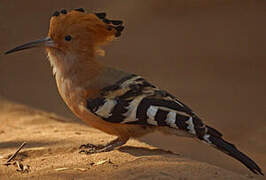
(77, 32)
(81, 32)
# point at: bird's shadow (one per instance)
(142, 151)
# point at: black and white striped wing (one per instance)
(133, 100)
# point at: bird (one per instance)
(116, 102)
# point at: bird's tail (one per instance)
(214, 138)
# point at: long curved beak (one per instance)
(46, 42)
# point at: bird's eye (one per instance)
(68, 38)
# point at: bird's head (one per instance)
(79, 32)
(76, 33)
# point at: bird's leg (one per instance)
(91, 148)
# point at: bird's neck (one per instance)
(86, 74)
(79, 69)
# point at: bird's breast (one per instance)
(71, 94)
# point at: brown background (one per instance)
(211, 54)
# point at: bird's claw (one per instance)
(91, 148)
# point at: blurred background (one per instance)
(210, 54)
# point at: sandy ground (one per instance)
(52, 152)
(210, 54)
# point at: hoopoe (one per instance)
(111, 100)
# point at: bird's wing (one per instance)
(133, 100)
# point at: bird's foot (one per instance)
(92, 149)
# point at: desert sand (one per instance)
(210, 54)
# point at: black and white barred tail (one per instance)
(186, 120)
(215, 139)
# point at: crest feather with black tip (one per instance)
(113, 24)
